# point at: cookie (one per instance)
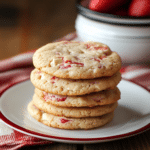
(89, 100)
(77, 60)
(54, 85)
(75, 112)
(68, 123)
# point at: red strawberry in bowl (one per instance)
(105, 6)
(139, 8)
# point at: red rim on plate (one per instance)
(21, 129)
(50, 137)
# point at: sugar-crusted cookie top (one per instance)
(89, 100)
(77, 60)
(73, 112)
(60, 86)
(68, 123)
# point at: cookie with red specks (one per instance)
(89, 100)
(77, 60)
(75, 112)
(68, 123)
(55, 85)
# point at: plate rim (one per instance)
(69, 139)
(99, 139)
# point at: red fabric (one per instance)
(139, 74)
(17, 140)
(12, 71)
(18, 68)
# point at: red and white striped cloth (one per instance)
(18, 68)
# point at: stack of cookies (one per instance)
(75, 85)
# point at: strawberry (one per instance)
(105, 6)
(139, 8)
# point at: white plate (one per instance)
(132, 116)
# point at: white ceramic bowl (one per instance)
(128, 36)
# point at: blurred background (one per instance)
(29, 24)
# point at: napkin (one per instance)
(139, 74)
(17, 69)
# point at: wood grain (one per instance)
(41, 22)
(38, 23)
(137, 142)
(54, 146)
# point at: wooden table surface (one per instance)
(35, 24)
(26, 24)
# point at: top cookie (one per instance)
(77, 60)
